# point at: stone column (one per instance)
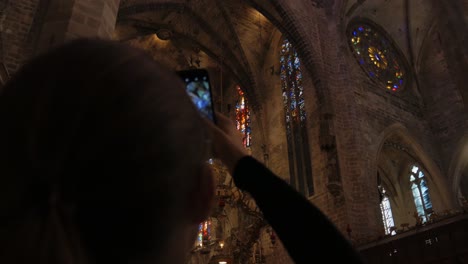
(71, 19)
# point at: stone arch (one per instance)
(282, 16)
(426, 44)
(288, 22)
(310, 55)
(435, 177)
(238, 64)
(387, 183)
(458, 168)
(211, 41)
(274, 49)
(285, 19)
(443, 97)
(397, 151)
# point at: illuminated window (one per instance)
(420, 191)
(296, 129)
(377, 56)
(386, 210)
(204, 233)
(243, 118)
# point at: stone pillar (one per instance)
(17, 32)
(71, 19)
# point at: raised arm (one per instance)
(305, 231)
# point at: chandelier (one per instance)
(218, 241)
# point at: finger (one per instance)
(222, 134)
(216, 133)
(224, 121)
(212, 127)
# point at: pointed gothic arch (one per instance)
(397, 154)
(300, 164)
(458, 170)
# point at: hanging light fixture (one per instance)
(164, 34)
(222, 259)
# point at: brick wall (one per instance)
(27, 26)
(17, 31)
(442, 69)
(308, 27)
(446, 110)
(66, 20)
(273, 112)
(362, 111)
(434, 113)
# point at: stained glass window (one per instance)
(422, 199)
(204, 233)
(295, 115)
(376, 54)
(243, 118)
(386, 210)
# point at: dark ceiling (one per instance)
(229, 36)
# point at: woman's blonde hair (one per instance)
(97, 145)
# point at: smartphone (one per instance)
(198, 87)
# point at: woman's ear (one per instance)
(201, 196)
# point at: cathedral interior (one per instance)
(361, 105)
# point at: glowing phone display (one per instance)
(197, 85)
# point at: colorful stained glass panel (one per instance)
(204, 233)
(243, 118)
(295, 115)
(420, 190)
(377, 56)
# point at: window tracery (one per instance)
(204, 233)
(386, 210)
(420, 190)
(296, 130)
(243, 118)
(377, 56)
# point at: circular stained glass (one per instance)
(376, 54)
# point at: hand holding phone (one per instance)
(198, 87)
(227, 142)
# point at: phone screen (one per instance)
(197, 85)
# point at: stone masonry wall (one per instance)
(17, 31)
(434, 113)
(362, 111)
(307, 26)
(443, 83)
(73, 19)
(29, 26)
(445, 107)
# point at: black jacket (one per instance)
(306, 233)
